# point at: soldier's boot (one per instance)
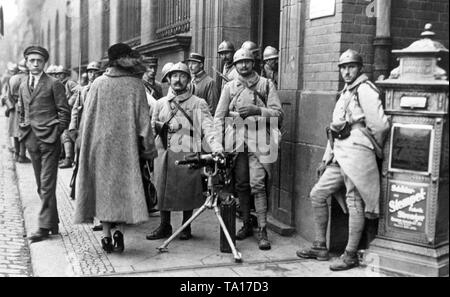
(164, 230)
(186, 234)
(318, 251)
(347, 261)
(263, 240)
(245, 231)
(66, 163)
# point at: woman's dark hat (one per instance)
(34, 49)
(121, 50)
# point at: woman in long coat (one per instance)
(115, 133)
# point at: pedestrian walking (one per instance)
(254, 99)
(44, 115)
(115, 133)
(203, 85)
(12, 104)
(179, 120)
(355, 138)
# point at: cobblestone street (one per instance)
(15, 258)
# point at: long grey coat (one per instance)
(356, 154)
(179, 187)
(115, 123)
(13, 97)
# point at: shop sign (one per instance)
(407, 205)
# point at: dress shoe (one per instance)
(66, 163)
(107, 245)
(318, 251)
(23, 160)
(163, 231)
(119, 244)
(39, 235)
(186, 234)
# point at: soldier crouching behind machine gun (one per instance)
(218, 168)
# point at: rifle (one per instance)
(74, 176)
(220, 74)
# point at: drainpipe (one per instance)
(383, 42)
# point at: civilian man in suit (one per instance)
(44, 115)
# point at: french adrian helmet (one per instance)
(350, 56)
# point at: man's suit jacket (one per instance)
(46, 110)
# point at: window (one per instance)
(130, 21)
(173, 17)
(84, 31)
(49, 32)
(68, 55)
(56, 53)
(106, 12)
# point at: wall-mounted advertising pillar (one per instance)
(413, 231)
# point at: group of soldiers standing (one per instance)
(122, 117)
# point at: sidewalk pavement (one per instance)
(77, 251)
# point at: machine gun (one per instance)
(217, 168)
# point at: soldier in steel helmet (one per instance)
(270, 68)
(226, 52)
(72, 89)
(93, 71)
(176, 121)
(355, 138)
(253, 100)
(256, 51)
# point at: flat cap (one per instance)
(35, 49)
(151, 60)
(195, 57)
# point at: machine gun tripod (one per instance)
(214, 166)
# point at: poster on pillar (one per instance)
(407, 205)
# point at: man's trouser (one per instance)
(44, 158)
(329, 183)
(67, 145)
(250, 178)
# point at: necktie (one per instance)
(32, 84)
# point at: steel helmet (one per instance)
(226, 46)
(270, 53)
(252, 47)
(23, 65)
(165, 70)
(243, 54)
(350, 56)
(93, 66)
(179, 67)
(59, 69)
(51, 69)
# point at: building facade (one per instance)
(310, 34)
